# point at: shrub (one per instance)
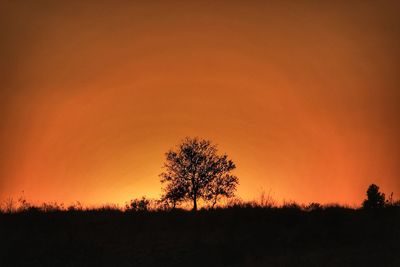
(138, 205)
(375, 199)
(313, 206)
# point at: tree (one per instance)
(195, 171)
(375, 199)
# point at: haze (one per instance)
(302, 95)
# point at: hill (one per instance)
(236, 236)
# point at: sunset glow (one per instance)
(303, 98)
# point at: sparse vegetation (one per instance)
(241, 234)
(146, 232)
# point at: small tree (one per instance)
(195, 171)
(375, 199)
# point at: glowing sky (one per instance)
(303, 95)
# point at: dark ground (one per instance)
(227, 237)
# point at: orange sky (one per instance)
(304, 96)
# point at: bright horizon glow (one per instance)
(302, 96)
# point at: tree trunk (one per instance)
(194, 202)
(194, 191)
(214, 202)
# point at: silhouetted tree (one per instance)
(195, 171)
(375, 199)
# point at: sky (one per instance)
(302, 95)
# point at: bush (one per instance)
(375, 199)
(139, 205)
(313, 206)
